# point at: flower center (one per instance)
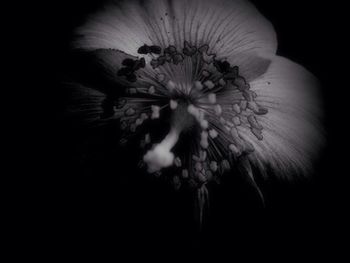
(191, 88)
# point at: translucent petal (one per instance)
(229, 27)
(292, 131)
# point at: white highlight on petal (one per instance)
(293, 134)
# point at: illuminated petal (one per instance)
(292, 129)
(229, 27)
(251, 65)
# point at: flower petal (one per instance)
(292, 132)
(251, 65)
(228, 27)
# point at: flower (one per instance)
(208, 71)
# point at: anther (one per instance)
(171, 85)
(236, 108)
(217, 109)
(198, 85)
(130, 112)
(236, 151)
(213, 133)
(257, 133)
(151, 90)
(173, 104)
(177, 162)
(155, 112)
(236, 121)
(184, 173)
(254, 123)
(160, 77)
(213, 166)
(205, 73)
(189, 50)
(202, 155)
(225, 165)
(209, 84)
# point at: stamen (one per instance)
(171, 86)
(243, 104)
(189, 50)
(155, 112)
(236, 108)
(233, 148)
(205, 73)
(222, 82)
(144, 116)
(218, 109)
(213, 166)
(209, 84)
(198, 85)
(236, 121)
(173, 104)
(198, 166)
(151, 90)
(212, 98)
(160, 77)
(254, 123)
(223, 102)
(225, 165)
(147, 138)
(184, 173)
(177, 162)
(195, 158)
(130, 112)
(213, 133)
(257, 133)
(203, 155)
(138, 122)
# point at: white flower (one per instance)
(216, 60)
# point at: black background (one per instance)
(91, 198)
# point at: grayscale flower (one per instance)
(207, 70)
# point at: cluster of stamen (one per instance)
(218, 101)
